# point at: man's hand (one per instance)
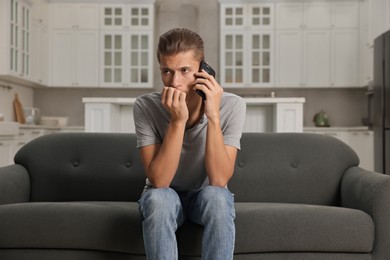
(175, 101)
(213, 92)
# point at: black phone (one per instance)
(209, 70)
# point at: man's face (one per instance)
(177, 71)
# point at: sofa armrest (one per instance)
(370, 192)
(14, 184)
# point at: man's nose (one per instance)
(176, 80)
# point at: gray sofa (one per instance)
(298, 196)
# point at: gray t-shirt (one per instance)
(151, 122)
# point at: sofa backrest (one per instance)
(291, 168)
(271, 167)
(83, 166)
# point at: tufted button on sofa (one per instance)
(297, 196)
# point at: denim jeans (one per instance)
(164, 210)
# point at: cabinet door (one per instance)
(362, 142)
(344, 58)
(63, 16)
(112, 17)
(5, 153)
(288, 62)
(87, 59)
(316, 58)
(63, 58)
(233, 16)
(289, 15)
(88, 16)
(232, 59)
(112, 59)
(317, 15)
(345, 14)
(261, 16)
(140, 59)
(39, 53)
(261, 59)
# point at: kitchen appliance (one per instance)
(381, 103)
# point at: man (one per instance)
(188, 148)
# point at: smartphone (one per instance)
(209, 70)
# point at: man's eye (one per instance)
(185, 70)
(166, 72)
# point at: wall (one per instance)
(345, 107)
(7, 95)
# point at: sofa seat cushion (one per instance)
(282, 227)
(104, 226)
(273, 227)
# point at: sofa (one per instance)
(297, 196)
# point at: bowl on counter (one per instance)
(54, 121)
(32, 115)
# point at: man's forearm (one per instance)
(219, 165)
(165, 164)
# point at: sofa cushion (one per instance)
(83, 167)
(103, 226)
(291, 168)
(281, 227)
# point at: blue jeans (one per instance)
(164, 210)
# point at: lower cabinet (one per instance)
(10, 145)
(360, 139)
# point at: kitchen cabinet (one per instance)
(247, 41)
(9, 145)
(39, 53)
(127, 45)
(74, 59)
(316, 44)
(360, 139)
(15, 28)
(83, 16)
(40, 12)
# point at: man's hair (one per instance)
(179, 40)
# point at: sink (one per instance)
(9, 128)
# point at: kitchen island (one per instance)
(264, 114)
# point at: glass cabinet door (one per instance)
(261, 58)
(25, 49)
(140, 59)
(113, 17)
(233, 15)
(233, 56)
(19, 38)
(112, 58)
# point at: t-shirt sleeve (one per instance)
(145, 131)
(233, 128)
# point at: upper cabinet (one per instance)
(102, 45)
(126, 45)
(247, 40)
(74, 58)
(317, 44)
(15, 29)
(290, 43)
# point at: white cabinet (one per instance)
(40, 12)
(126, 45)
(359, 139)
(39, 53)
(82, 16)
(15, 30)
(75, 58)
(5, 152)
(75, 46)
(247, 44)
(316, 44)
